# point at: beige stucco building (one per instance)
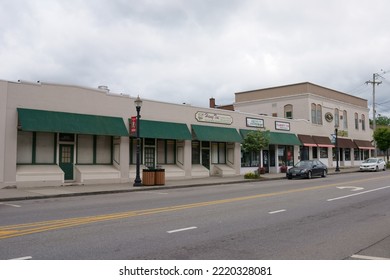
(51, 134)
(320, 111)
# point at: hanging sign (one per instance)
(133, 125)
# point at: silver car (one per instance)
(373, 164)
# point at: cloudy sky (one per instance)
(186, 51)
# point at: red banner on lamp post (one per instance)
(133, 125)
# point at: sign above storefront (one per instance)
(282, 126)
(252, 122)
(213, 118)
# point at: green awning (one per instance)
(164, 130)
(217, 134)
(280, 138)
(61, 122)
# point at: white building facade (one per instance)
(51, 134)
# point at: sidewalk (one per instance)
(68, 190)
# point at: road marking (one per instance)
(12, 205)
(367, 257)
(277, 211)
(22, 258)
(181, 229)
(353, 189)
(10, 231)
(346, 196)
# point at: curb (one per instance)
(142, 189)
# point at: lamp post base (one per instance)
(137, 183)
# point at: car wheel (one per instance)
(309, 175)
(323, 173)
(377, 168)
(289, 177)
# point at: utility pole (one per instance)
(374, 82)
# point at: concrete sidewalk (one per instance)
(67, 190)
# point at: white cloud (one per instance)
(187, 51)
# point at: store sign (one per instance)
(329, 117)
(213, 118)
(251, 122)
(133, 125)
(282, 126)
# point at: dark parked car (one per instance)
(307, 169)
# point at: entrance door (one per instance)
(66, 160)
(206, 158)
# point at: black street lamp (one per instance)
(337, 149)
(138, 181)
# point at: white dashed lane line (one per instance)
(11, 205)
(361, 257)
(181, 229)
(22, 258)
(277, 211)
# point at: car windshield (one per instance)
(304, 164)
(370, 160)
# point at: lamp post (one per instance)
(336, 130)
(138, 181)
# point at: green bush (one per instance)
(251, 175)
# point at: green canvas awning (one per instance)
(164, 130)
(276, 138)
(280, 138)
(61, 122)
(217, 134)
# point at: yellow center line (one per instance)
(30, 228)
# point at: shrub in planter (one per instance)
(283, 169)
(251, 175)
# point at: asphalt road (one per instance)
(345, 216)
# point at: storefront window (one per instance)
(25, 147)
(304, 153)
(356, 154)
(286, 155)
(103, 150)
(36, 147)
(218, 153)
(323, 152)
(45, 147)
(195, 152)
(347, 154)
(250, 159)
(272, 159)
(166, 151)
(315, 152)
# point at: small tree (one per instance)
(255, 141)
(382, 139)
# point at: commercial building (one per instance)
(321, 111)
(51, 134)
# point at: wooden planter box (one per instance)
(159, 177)
(148, 177)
